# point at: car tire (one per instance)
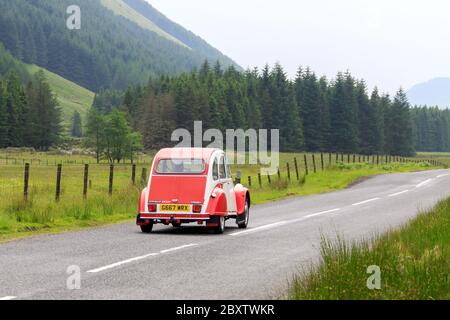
(242, 220)
(221, 225)
(176, 225)
(148, 228)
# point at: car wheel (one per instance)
(147, 228)
(221, 225)
(243, 220)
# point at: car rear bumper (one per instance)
(173, 216)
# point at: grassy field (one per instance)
(414, 262)
(71, 96)
(121, 8)
(41, 213)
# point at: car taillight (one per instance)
(197, 208)
(152, 207)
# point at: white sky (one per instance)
(389, 43)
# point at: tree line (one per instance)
(29, 116)
(313, 113)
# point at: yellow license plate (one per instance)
(175, 208)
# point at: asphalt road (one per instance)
(120, 262)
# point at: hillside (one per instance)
(71, 97)
(118, 42)
(435, 92)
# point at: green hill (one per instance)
(120, 8)
(71, 97)
(118, 44)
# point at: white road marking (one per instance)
(117, 264)
(366, 201)
(424, 183)
(443, 175)
(321, 213)
(265, 227)
(398, 194)
(281, 223)
(7, 298)
(179, 248)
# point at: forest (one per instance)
(313, 113)
(29, 115)
(107, 52)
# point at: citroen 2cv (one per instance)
(192, 185)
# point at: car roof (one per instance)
(186, 153)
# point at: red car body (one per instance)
(192, 185)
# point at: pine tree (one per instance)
(401, 126)
(309, 100)
(76, 125)
(343, 114)
(48, 124)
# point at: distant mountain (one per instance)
(120, 41)
(435, 92)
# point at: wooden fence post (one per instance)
(111, 179)
(133, 174)
(249, 181)
(259, 180)
(321, 161)
(279, 173)
(268, 178)
(58, 183)
(296, 169)
(314, 163)
(26, 180)
(86, 178)
(144, 176)
(288, 171)
(306, 165)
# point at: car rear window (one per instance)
(180, 166)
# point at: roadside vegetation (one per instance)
(41, 213)
(413, 260)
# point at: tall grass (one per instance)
(414, 262)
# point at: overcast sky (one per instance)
(389, 43)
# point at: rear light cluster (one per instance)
(197, 208)
(152, 207)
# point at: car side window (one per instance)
(227, 166)
(215, 170)
(222, 168)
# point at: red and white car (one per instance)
(192, 185)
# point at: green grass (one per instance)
(414, 262)
(42, 214)
(71, 96)
(121, 8)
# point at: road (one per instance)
(119, 262)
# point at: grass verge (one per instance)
(414, 262)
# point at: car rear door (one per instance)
(227, 182)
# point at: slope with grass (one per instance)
(414, 263)
(120, 8)
(71, 97)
